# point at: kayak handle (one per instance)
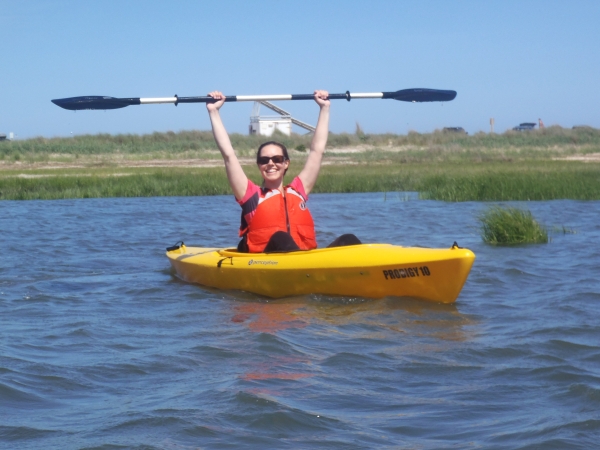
(175, 247)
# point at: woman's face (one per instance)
(270, 170)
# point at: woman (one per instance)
(274, 216)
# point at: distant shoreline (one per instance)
(537, 165)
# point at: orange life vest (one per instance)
(276, 212)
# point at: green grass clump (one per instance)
(509, 226)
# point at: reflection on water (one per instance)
(269, 317)
(397, 315)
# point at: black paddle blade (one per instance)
(421, 95)
(94, 102)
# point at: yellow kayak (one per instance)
(367, 270)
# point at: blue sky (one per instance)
(516, 61)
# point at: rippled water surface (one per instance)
(102, 347)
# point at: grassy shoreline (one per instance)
(450, 167)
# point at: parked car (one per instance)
(525, 126)
(454, 130)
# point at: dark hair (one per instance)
(276, 144)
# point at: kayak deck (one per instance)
(367, 270)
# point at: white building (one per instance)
(266, 125)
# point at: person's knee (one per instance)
(281, 241)
(344, 240)
(243, 245)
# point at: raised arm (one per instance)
(235, 174)
(309, 174)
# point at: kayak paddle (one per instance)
(101, 102)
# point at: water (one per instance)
(102, 347)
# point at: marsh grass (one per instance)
(440, 166)
(548, 141)
(103, 183)
(529, 180)
(510, 226)
(435, 181)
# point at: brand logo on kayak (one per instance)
(264, 263)
(394, 274)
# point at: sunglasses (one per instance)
(277, 159)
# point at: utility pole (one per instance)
(492, 125)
